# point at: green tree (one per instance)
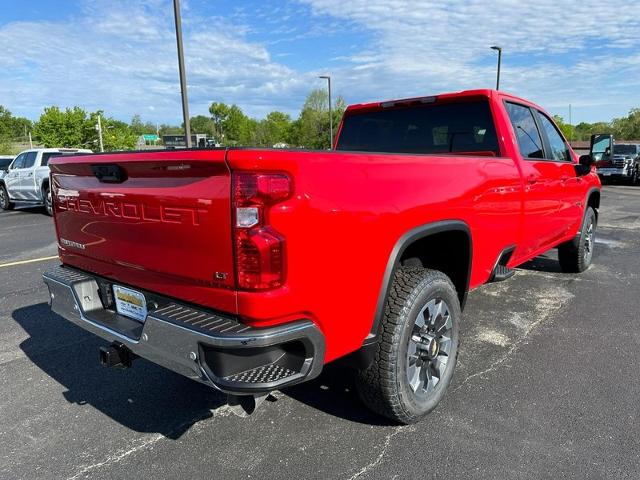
(275, 128)
(219, 115)
(627, 128)
(5, 130)
(140, 128)
(71, 127)
(311, 130)
(116, 135)
(203, 124)
(236, 128)
(12, 129)
(232, 126)
(166, 129)
(566, 128)
(74, 127)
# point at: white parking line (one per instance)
(22, 262)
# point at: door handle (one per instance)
(564, 178)
(531, 179)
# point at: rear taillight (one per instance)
(260, 259)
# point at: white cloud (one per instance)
(555, 51)
(121, 56)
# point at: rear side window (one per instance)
(526, 130)
(559, 149)
(432, 128)
(30, 159)
(47, 156)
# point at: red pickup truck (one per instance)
(250, 269)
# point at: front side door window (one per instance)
(559, 150)
(18, 162)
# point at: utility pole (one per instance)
(30, 141)
(99, 129)
(328, 79)
(499, 50)
(183, 75)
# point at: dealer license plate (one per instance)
(130, 303)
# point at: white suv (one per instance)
(27, 179)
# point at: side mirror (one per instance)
(585, 162)
(601, 146)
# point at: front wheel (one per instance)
(576, 255)
(5, 203)
(418, 347)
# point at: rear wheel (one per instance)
(576, 255)
(5, 203)
(418, 347)
(48, 204)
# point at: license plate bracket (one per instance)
(130, 303)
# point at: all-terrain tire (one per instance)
(576, 255)
(48, 203)
(385, 385)
(5, 203)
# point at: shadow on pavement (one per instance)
(29, 209)
(334, 392)
(147, 397)
(543, 264)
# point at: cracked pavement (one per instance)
(547, 385)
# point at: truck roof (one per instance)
(57, 150)
(486, 92)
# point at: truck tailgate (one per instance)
(158, 220)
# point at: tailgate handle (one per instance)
(109, 173)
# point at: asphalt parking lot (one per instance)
(548, 385)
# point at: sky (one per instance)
(120, 55)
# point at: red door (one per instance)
(571, 192)
(545, 207)
(549, 211)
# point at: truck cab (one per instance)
(27, 177)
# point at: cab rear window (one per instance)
(438, 128)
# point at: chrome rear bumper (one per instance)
(211, 348)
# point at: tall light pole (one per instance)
(499, 50)
(99, 129)
(328, 79)
(183, 75)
